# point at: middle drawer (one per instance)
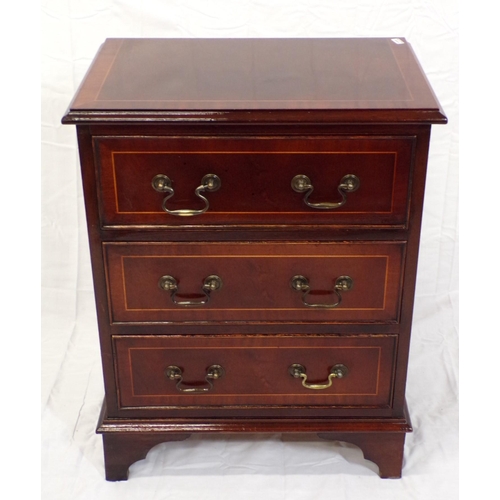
(265, 282)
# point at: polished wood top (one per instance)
(346, 80)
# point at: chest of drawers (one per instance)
(254, 212)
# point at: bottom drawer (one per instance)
(254, 371)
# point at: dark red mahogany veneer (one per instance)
(254, 211)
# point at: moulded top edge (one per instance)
(345, 79)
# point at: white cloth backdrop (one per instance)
(266, 467)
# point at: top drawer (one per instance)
(344, 181)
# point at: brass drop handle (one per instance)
(163, 184)
(301, 284)
(299, 371)
(348, 184)
(211, 284)
(214, 372)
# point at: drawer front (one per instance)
(163, 371)
(255, 180)
(284, 282)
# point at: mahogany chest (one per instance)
(254, 211)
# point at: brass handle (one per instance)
(163, 184)
(211, 283)
(301, 284)
(299, 371)
(348, 184)
(214, 372)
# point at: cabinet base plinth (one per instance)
(385, 449)
(121, 450)
(126, 441)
